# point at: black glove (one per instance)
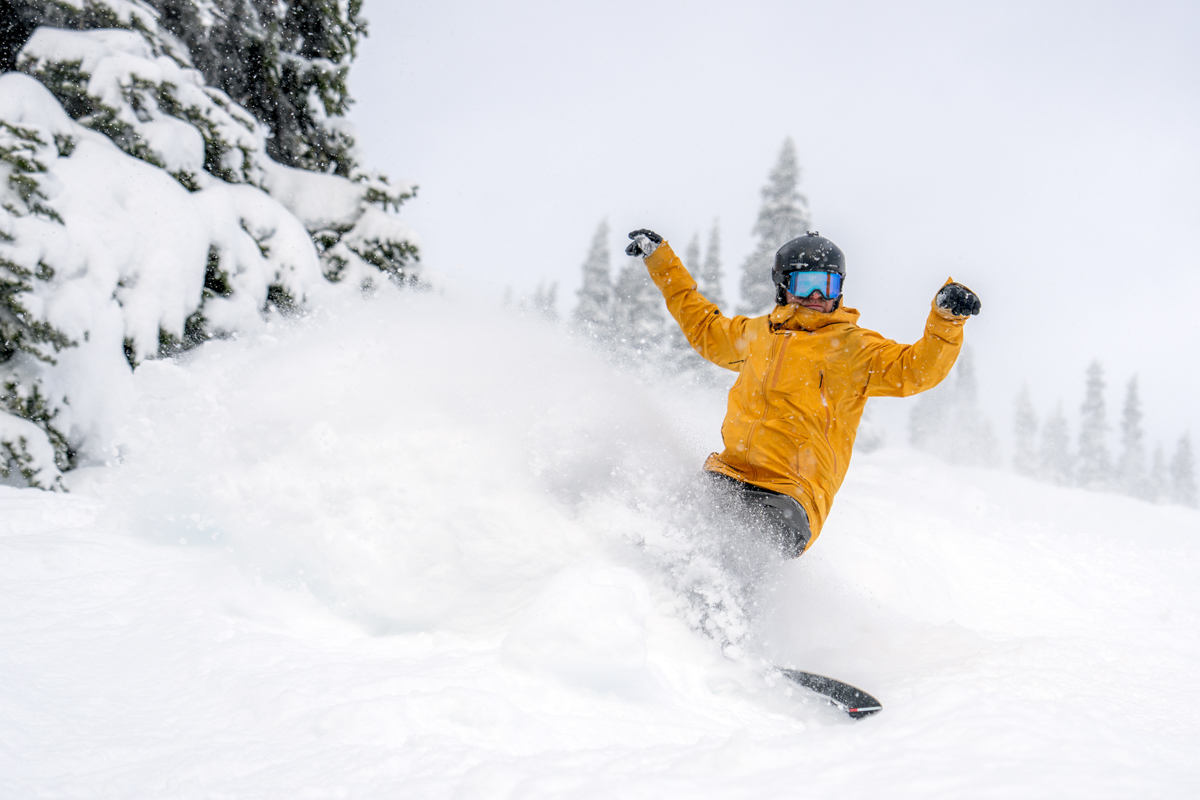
(958, 300)
(644, 242)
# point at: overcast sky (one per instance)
(1045, 154)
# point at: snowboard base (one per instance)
(851, 699)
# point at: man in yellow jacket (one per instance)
(805, 371)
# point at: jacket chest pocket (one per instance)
(793, 375)
(811, 373)
(838, 378)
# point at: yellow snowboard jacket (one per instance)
(803, 380)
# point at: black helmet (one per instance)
(810, 252)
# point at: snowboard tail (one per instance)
(851, 699)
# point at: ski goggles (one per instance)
(804, 283)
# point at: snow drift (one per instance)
(418, 546)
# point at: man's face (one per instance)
(815, 301)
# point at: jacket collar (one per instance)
(798, 318)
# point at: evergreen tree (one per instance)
(20, 18)
(1055, 457)
(639, 316)
(691, 256)
(871, 436)
(782, 217)
(1095, 470)
(356, 232)
(1131, 469)
(1158, 489)
(134, 71)
(28, 342)
(947, 421)
(286, 63)
(928, 418)
(971, 439)
(1183, 474)
(594, 315)
(1025, 425)
(543, 304)
(710, 275)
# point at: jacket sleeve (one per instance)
(900, 370)
(720, 339)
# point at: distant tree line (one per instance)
(948, 422)
(1044, 451)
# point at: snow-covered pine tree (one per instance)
(1158, 487)
(972, 439)
(711, 276)
(871, 435)
(639, 315)
(1183, 474)
(593, 316)
(1131, 468)
(545, 300)
(1095, 468)
(929, 417)
(691, 255)
(782, 217)
(142, 215)
(1025, 427)
(542, 304)
(948, 422)
(20, 18)
(31, 443)
(285, 63)
(135, 84)
(1055, 461)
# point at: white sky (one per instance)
(1045, 154)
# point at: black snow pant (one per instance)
(783, 520)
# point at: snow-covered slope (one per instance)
(420, 548)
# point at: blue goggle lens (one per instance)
(802, 284)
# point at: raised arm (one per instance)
(720, 339)
(900, 370)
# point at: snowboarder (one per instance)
(805, 371)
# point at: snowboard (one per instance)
(851, 699)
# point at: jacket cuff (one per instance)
(946, 315)
(943, 313)
(661, 256)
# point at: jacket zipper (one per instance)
(778, 369)
(766, 374)
(828, 421)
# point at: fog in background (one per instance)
(1044, 154)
